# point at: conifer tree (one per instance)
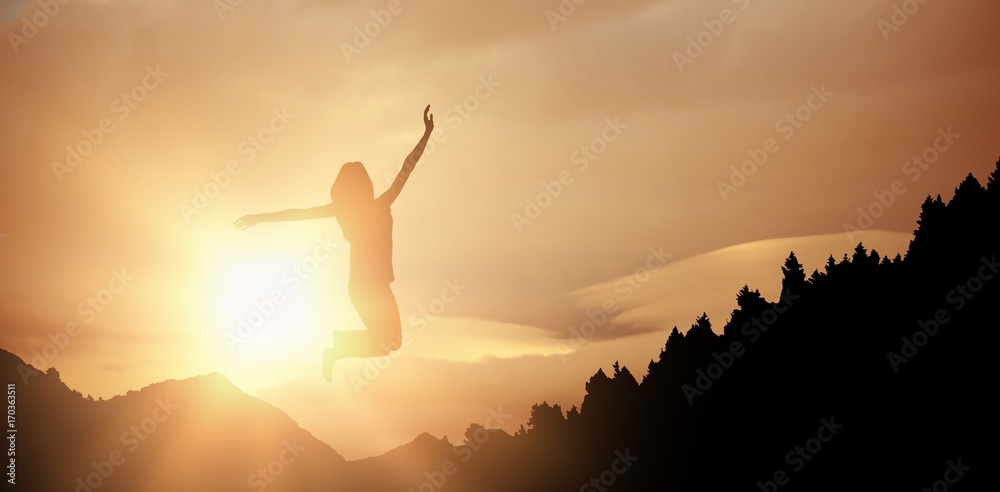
(794, 275)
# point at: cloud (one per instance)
(675, 294)
(474, 340)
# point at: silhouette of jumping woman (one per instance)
(366, 222)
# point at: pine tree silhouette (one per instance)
(991, 185)
(793, 274)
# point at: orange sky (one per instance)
(595, 116)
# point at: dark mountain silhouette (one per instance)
(196, 434)
(873, 373)
(399, 468)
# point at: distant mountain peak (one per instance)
(425, 438)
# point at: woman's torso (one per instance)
(369, 230)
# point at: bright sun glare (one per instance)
(279, 305)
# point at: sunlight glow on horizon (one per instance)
(509, 338)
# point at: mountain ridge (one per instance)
(55, 417)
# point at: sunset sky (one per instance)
(582, 159)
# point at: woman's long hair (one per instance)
(351, 194)
(353, 186)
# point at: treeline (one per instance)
(871, 373)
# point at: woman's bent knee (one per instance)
(392, 344)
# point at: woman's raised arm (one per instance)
(411, 160)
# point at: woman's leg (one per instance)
(376, 305)
(378, 310)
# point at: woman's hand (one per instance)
(246, 222)
(428, 120)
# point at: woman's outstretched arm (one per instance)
(285, 215)
(411, 160)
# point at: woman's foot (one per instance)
(329, 359)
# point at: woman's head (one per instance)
(353, 186)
